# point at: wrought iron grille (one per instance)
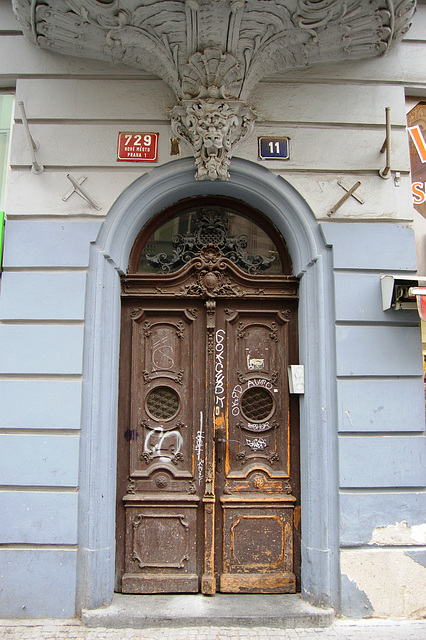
(257, 404)
(162, 403)
(209, 226)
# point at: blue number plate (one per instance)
(274, 148)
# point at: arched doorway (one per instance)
(208, 467)
(312, 263)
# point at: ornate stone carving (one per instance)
(212, 53)
(208, 49)
(212, 128)
(212, 74)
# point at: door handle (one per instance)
(219, 442)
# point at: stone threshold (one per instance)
(287, 611)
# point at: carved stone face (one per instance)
(213, 124)
(213, 129)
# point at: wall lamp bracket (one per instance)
(37, 167)
(386, 172)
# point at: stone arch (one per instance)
(311, 258)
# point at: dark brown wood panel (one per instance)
(161, 547)
(255, 485)
(208, 466)
(164, 398)
(258, 546)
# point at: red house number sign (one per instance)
(137, 147)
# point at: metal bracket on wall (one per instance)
(2, 218)
(348, 194)
(386, 172)
(78, 189)
(32, 144)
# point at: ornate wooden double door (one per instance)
(208, 487)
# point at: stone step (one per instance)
(287, 611)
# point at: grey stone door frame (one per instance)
(311, 258)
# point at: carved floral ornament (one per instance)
(212, 53)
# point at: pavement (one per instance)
(38, 629)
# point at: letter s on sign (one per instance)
(418, 190)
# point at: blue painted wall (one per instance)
(381, 407)
(42, 300)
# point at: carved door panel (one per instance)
(255, 475)
(207, 500)
(161, 501)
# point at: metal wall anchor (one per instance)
(69, 193)
(348, 194)
(78, 189)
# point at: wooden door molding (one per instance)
(190, 525)
(209, 276)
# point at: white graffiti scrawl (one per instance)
(219, 375)
(163, 444)
(162, 354)
(256, 444)
(199, 446)
(236, 395)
